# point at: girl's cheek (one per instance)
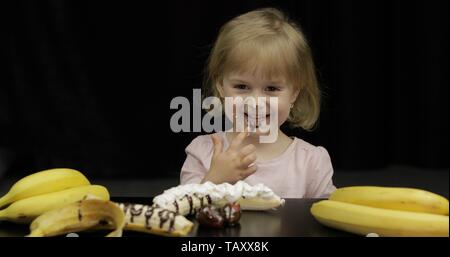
(283, 113)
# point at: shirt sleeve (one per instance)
(321, 184)
(197, 160)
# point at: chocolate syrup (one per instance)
(190, 199)
(166, 215)
(148, 215)
(177, 208)
(190, 203)
(135, 212)
(201, 202)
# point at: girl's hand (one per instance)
(233, 164)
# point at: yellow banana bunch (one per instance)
(406, 199)
(58, 201)
(362, 220)
(385, 211)
(80, 216)
(25, 210)
(43, 182)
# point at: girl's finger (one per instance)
(246, 150)
(250, 170)
(237, 141)
(218, 146)
(249, 159)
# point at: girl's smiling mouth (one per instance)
(257, 122)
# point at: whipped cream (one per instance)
(226, 191)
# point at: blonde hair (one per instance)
(266, 41)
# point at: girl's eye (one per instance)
(272, 88)
(241, 87)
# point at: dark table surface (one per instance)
(292, 220)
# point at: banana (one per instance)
(43, 182)
(260, 204)
(80, 216)
(25, 210)
(363, 220)
(396, 198)
(154, 220)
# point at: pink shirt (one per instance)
(302, 171)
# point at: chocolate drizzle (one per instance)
(166, 215)
(148, 215)
(191, 204)
(148, 211)
(135, 212)
(201, 202)
(194, 207)
(177, 208)
(204, 201)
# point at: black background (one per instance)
(88, 84)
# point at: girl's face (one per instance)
(250, 85)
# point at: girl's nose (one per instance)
(257, 105)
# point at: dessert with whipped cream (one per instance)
(154, 220)
(188, 199)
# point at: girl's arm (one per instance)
(192, 171)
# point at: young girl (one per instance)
(263, 54)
